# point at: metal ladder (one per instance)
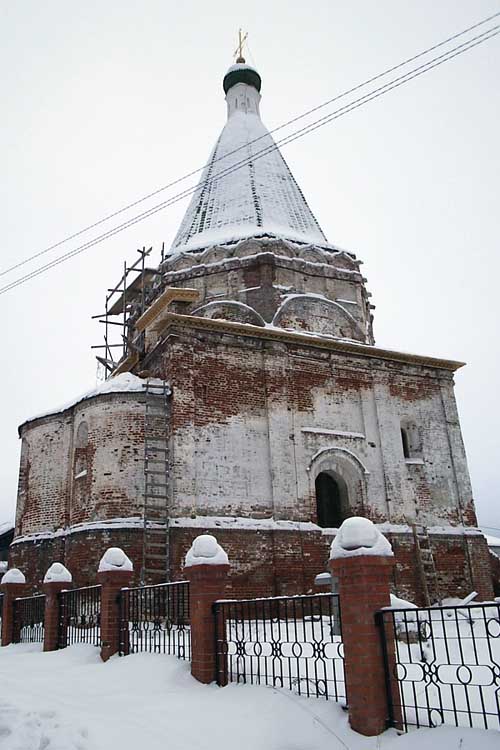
(156, 552)
(426, 565)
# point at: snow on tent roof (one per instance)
(246, 189)
(124, 383)
(492, 541)
(6, 526)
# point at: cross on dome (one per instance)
(238, 53)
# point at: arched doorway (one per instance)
(331, 500)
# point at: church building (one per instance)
(252, 402)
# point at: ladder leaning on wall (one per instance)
(426, 565)
(156, 552)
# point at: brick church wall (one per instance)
(82, 465)
(254, 422)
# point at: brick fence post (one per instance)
(206, 567)
(57, 578)
(115, 572)
(13, 585)
(363, 561)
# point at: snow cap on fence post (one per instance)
(14, 575)
(12, 585)
(115, 559)
(115, 572)
(362, 559)
(56, 579)
(359, 536)
(57, 573)
(207, 568)
(205, 550)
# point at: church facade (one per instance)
(253, 403)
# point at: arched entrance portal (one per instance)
(331, 500)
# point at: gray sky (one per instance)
(104, 102)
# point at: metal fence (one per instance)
(446, 668)
(1, 615)
(29, 614)
(291, 642)
(156, 619)
(80, 616)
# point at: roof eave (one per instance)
(323, 342)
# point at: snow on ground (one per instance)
(70, 700)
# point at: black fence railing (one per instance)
(80, 616)
(446, 668)
(289, 642)
(1, 615)
(28, 616)
(156, 619)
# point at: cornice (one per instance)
(292, 337)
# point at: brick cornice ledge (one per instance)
(292, 337)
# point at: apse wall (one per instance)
(81, 465)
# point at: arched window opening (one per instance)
(411, 440)
(331, 501)
(404, 440)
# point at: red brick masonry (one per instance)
(207, 583)
(112, 581)
(364, 588)
(10, 591)
(51, 621)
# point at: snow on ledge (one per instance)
(13, 575)
(131, 522)
(239, 522)
(231, 522)
(206, 550)
(124, 383)
(336, 433)
(57, 573)
(115, 559)
(359, 536)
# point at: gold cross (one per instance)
(238, 53)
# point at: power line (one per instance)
(368, 81)
(395, 83)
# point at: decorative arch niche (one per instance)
(316, 315)
(338, 485)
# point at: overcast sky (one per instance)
(103, 102)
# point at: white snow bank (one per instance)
(206, 550)
(359, 536)
(13, 575)
(397, 603)
(124, 383)
(115, 559)
(71, 700)
(57, 573)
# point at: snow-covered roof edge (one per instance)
(6, 526)
(126, 382)
(232, 522)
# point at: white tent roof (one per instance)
(246, 189)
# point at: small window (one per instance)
(411, 441)
(82, 435)
(404, 440)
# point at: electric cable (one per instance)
(370, 96)
(368, 81)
